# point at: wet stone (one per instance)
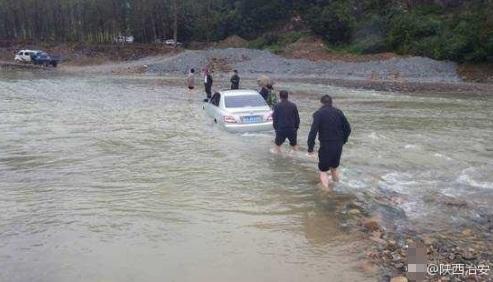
(371, 225)
(428, 241)
(399, 279)
(392, 245)
(467, 232)
(368, 267)
(468, 255)
(396, 257)
(354, 212)
(400, 266)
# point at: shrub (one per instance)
(407, 28)
(334, 22)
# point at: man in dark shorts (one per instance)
(208, 83)
(235, 80)
(333, 132)
(286, 122)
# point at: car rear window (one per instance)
(244, 101)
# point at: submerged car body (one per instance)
(240, 111)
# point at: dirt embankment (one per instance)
(314, 49)
(87, 54)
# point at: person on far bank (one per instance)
(286, 121)
(191, 81)
(208, 83)
(333, 131)
(235, 80)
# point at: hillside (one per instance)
(456, 30)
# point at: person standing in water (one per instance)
(191, 81)
(286, 121)
(333, 131)
(271, 96)
(208, 82)
(235, 80)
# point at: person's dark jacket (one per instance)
(285, 116)
(264, 92)
(330, 124)
(208, 84)
(235, 82)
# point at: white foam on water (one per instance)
(399, 182)
(438, 155)
(252, 134)
(466, 178)
(376, 136)
(354, 184)
(410, 146)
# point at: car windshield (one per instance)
(242, 101)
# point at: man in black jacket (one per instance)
(333, 132)
(208, 83)
(286, 122)
(235, 80)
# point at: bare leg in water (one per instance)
(324, 179)
(190, 93)
(335, 174)
(277, 149)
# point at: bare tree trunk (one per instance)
(207, 22)
(175, 21)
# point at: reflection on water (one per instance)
(120, 179)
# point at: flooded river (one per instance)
(125, 179)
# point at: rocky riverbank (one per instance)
(461, 255)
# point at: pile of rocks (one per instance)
(388, 250)
(254, 62)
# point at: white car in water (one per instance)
(239, 111)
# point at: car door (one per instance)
(212, 107)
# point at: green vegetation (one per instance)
(450, 30)
(459, 30)
(275, 41)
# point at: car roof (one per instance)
(240, 92)
(26, 50)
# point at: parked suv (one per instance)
(24, 56)
(42, 58)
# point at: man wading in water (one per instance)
(333, 132)
(286, 122)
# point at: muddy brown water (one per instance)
(125, 179)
